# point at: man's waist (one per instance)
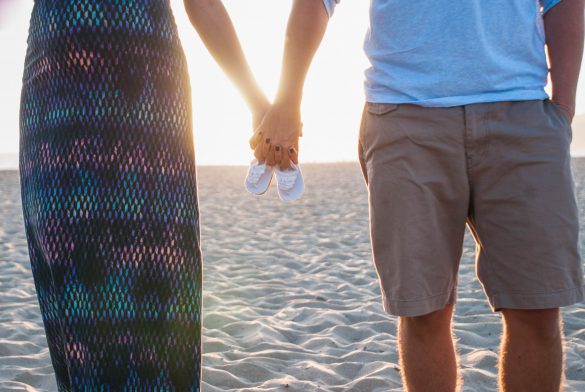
(389, 96)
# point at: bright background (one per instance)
(333, 93)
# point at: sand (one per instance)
(291, 300)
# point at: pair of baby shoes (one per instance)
(290, 183)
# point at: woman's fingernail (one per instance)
(277, 148)
(267, 140)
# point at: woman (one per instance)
(109, 190)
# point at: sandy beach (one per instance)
(291, 300)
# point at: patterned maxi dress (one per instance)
(109, 195)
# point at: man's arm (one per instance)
(214, 26)
(282, 123)
(563, 26)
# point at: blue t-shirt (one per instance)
(448, 53)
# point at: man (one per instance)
(457, 130)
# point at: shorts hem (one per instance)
(555, 299)
(418, 307)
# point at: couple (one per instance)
(457, 129)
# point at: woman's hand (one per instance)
(276, 140)
(259, 110)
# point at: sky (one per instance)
(333, 98)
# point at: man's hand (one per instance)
(567, 109)
(276, 140)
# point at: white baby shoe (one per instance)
(259, 177)
(290, 182)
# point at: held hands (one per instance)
(275, 143)
(276, 139)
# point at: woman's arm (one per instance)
(564, 37)
(214, 26)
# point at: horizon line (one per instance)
(9, 167)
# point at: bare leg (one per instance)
(531, 358)
(427, 352)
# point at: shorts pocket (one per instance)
(374, 122)
(381, 109)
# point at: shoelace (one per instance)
(255, 173)
(286, 179)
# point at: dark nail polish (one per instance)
(267, 140)
(277, 148)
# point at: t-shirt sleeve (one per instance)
(330, 5)
(548, 4)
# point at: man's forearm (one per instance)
(305, 30)
(564, 37)
(282, 126)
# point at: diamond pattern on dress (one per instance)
(109, 195)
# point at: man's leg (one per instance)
(413, 159)
(525, 220)
(531, 354)
(427, 352)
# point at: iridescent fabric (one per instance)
(109, 195)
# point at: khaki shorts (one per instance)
(501, 168)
